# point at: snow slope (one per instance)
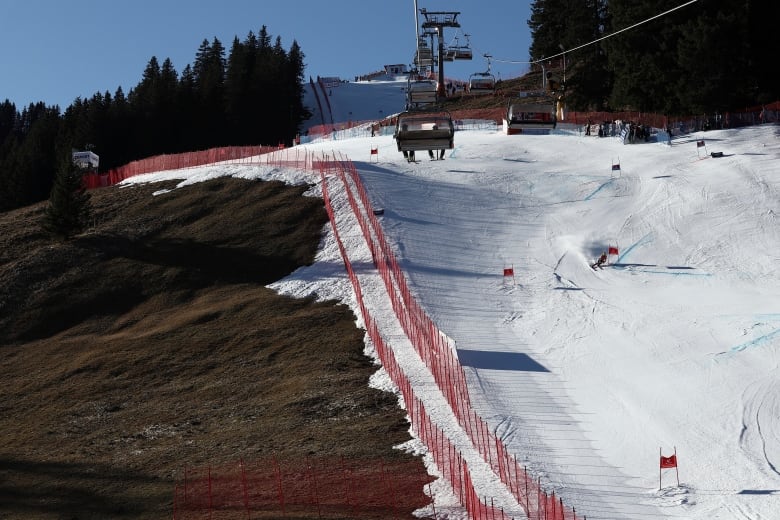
(586, 374)
(347, 101)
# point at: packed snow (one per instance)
(587, 375)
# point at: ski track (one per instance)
(454, 225)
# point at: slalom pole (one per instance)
(676, 466)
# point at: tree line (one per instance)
(705, 57)
(249, 95)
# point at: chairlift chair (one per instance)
(529, 118)
(482, 83)
(463, 53)
(421, 130)
(420, 91)
(424, 55)
(459, 52)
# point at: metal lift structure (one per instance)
(437, 21)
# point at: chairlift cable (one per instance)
(618, 32)
(526, 62)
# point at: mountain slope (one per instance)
(150, 343)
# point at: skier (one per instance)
(601, 261)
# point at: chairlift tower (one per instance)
(430, 34)
(438, 21)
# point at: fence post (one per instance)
(243, 485)
(209, 481)
(278, 472)
(525, 476)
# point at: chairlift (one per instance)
(421, 130)
(462, 52)
(482, 82)
(420, 91)
(523, 117)
(424, 55)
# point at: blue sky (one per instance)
(55, 51)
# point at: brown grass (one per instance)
(150, 343)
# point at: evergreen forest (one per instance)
(673, 57)
(251, 94)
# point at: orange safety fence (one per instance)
(321, 487)
(174, 162)
(746, 116)
(439, 354)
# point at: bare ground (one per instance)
(150, 343)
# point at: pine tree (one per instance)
(647, 72)
(558, 25)
(209, 74)
(69, 206)
(295, 78)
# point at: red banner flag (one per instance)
(374, 151)
(669, 462)
(612, 250)
(509, 271)
(699, 144)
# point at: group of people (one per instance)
(631, 132)
(605, 129)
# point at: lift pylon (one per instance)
(438, 20)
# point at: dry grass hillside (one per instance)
(150, 342)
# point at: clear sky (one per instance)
(55, 51)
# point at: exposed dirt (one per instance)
(149, 344)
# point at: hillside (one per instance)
(150, 343)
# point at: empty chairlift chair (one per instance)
(482, 83)
(529, 118)
(461, 52)
(420, 92)
(423, 57)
